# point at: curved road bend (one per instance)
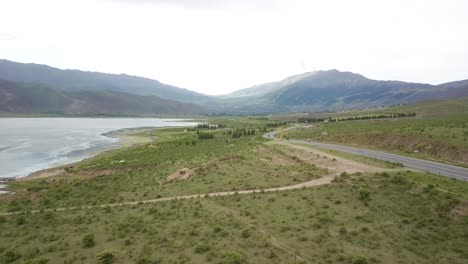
(443, 169)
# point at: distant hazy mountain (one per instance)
(75, 80)
(33, 88)
(38, 98)
(335, 90)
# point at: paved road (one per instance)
(419, 164)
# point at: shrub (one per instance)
(10, 256)
(106, 257)
(205, 136)
(88, 241)
(201, 249)
(343, 230)
(364, 195)
(360, 260)
(245, 233)
(40, 260)
(20, 220)
(236, 258)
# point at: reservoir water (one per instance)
(31, 144)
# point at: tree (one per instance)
(88, 241)
(106, 257)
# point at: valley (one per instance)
(184, 197)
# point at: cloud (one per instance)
(204, 4)
(7, 36)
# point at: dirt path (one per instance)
(334, 164)
(325, 160)
(315, 182)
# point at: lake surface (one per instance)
(31, 144)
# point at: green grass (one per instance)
(140, 172)
(409, 217)
(405, 221)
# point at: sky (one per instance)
(218, 46)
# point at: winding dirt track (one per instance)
(315, 182)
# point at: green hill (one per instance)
(75, 80)
(334, 90)
(39, 98)
(331, 90)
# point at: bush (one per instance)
(202, 249)
(364, 195)
(236, 258)
(10, 256)
(106, 257)
(360, 260)
(217, 229)
(20, 220)
(88, 241)
(343, 230)
(245, 233)
(39, 260)
(205, 136)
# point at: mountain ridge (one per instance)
(328, 90)
(77, 80)
(30, 98)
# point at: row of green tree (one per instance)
(239, 132)
(206, 126)
(366, 117)
(277, 124)
(351, 118)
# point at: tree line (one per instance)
(351, 118)
(394, 115)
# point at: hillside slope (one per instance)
(75, 80)
(335, 90)
(39, 98)
(331, 90)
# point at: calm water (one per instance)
(31, 144)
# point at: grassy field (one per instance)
(143, 172)
(438, 132)
(406, 220)
(391, 216)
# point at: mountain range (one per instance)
(34, 88)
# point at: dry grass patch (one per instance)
(325, 160)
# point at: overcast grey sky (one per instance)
(216, 46)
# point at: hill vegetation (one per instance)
(366, 215)
(438, 131)
(42, 99)
(312, 91)
(75, 80)
(334, 90)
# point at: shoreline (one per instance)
(127, 138)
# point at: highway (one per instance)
(439, 168)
